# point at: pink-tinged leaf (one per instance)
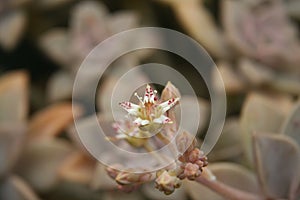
(14, 97)
(262, 31)
(261, 113)
(229, 145)
(52, 120)
(12, 137)
(88, 28)
(78, 168)
(291, 126)
(12, 25)
(277, 160)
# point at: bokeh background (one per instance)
(254, 43)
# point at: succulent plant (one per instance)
(13, 122)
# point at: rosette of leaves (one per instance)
(33, 156)
(90, 23)
(262, 30)
(275, 157)
(12, 22)
(269, 135)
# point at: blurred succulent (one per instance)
(247, 74)
(261, 116)
(262, 30)
(13, 129)
(275, 157)
(33, 157)
(199, 22)
(12, 22)
(90, 24)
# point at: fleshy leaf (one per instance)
(261, 113)
(56, 44)
(291, 126)
(277, 159)
(12, 26)
(14, 97)
(199, 22)
(231, 174)
(40, 162)
(12, 136)
(60, 86)
(52, 120)
(78, 168)
(229, 144)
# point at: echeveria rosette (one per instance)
(262, 30)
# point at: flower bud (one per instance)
(192, 171)
(167, 183)
(126, 178)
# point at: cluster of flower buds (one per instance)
(192, 163)
(128, 181)
(190, 166)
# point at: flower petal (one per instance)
(162, 120)
(140, 121)
(131, 108)
(150, 96)
(168, 104)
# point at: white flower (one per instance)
(149, 111)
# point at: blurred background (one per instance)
(254, 43)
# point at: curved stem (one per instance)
(227, 191)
